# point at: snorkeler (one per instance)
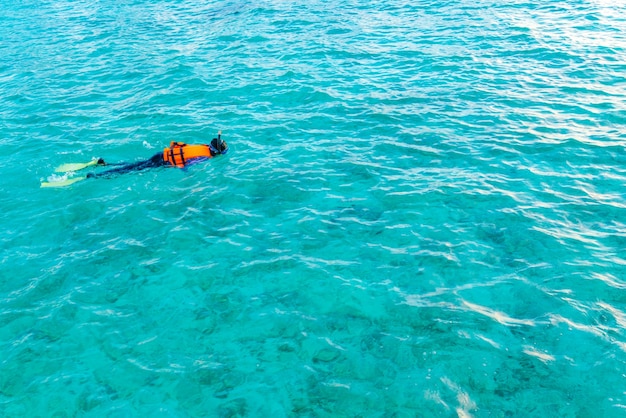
(178, 154)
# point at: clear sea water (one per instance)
(422, 214)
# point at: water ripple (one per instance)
(422, 209)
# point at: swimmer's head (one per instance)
(218, 146)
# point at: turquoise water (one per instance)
(422, 213)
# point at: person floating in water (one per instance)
(178, 154)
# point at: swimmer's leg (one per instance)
(155, 161)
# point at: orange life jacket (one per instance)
(179, 153)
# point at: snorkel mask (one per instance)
(217, 146)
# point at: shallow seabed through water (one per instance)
(422, 212)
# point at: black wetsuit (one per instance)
(155, 161)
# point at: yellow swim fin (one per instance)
(64, 168)
(62, 183)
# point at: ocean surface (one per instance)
(422, 213)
